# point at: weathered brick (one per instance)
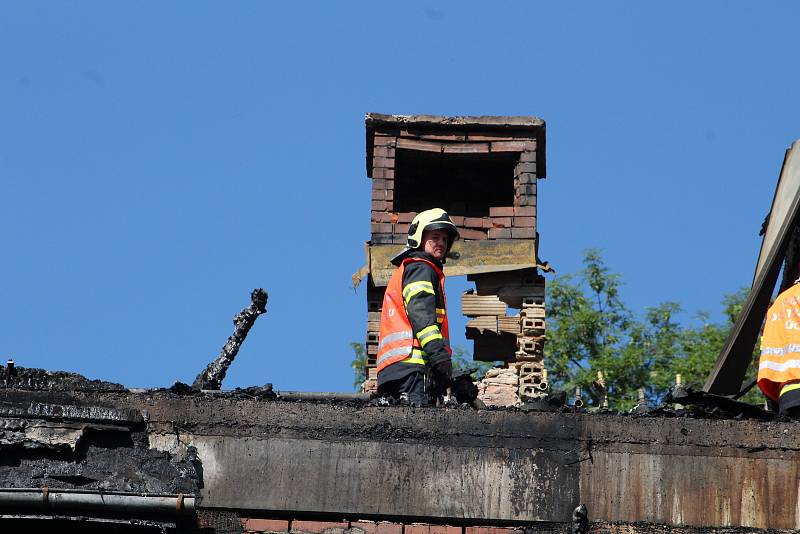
(524, 221)
(389, 194)
(316, 527)
(378, 205)
(527, 189)
(469, 233)
(384, 140)
(508, 146)
(416, 144)
(501, 222)
(381, 228)
(382, 239)
(473, 222)
(381, 216)
(369, 527)
(527, 156)
(381, 172)
(406, 217)
(419, 528)
(386, 527)
(526, 178)
(523, 233)
(383, 162)
(525, 200)
(265, 525)
(499, 233)
(465, 148)
(501, 211)
(524, 211)
(458, 220)
(434, 135)
(401, 229)
(381, 184)
(379, 194)
(525, 166)
(492, 530)
(383, 152)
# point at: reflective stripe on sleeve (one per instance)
(428, 334)
(415, 288)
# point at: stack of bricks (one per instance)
(517, 340)
(388, 227)
(374, 306)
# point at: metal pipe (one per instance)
(322, 396)
(578, 400)
(64, 499)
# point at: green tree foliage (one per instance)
(590, 329)
(359, 363)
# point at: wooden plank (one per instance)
(474, 305)
(467, 258)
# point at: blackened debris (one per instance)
(213, 375)
(707, 405)
(103, 459)
(43, 380)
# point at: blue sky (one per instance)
(160, 160)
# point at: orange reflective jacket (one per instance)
(397, 340)
(780, 344)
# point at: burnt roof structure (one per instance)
(86, 456)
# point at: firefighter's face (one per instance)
(434, 242)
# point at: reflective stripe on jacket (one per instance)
(397, 340)
(780, 344)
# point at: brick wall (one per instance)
(253, 525)
(514, 221)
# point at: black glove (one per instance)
(442, 372)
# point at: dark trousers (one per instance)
(414, 386)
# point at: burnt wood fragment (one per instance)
(213, 375)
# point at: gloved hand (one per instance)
(442, 372)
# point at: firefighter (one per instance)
(779, 365)
(414, 345)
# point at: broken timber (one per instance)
(730, 369)
(213, 375)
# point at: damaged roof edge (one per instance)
(485, 121)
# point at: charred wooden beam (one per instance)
(213, 375)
